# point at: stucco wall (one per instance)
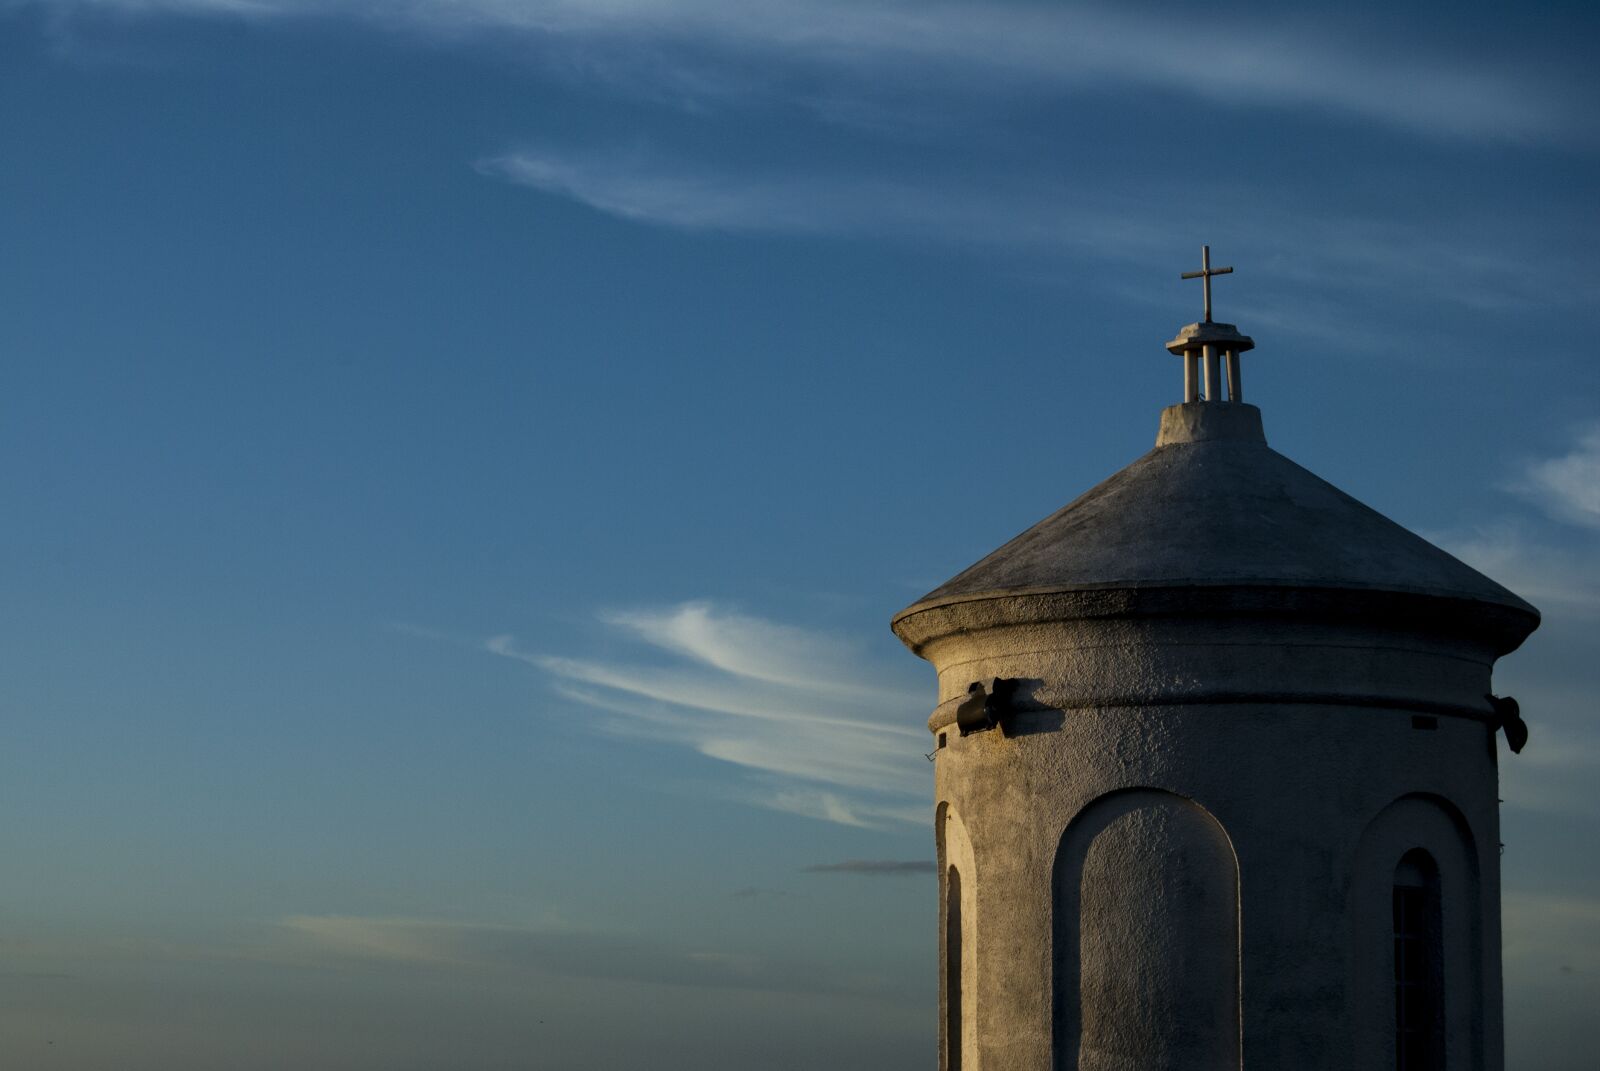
(1303, 794)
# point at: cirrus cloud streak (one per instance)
(807, 723)
(1237, 59)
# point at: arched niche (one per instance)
(1146, 938)
(958, 944)
(1418, 841)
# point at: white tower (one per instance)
(1216, 771)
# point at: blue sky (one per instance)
(438, 438)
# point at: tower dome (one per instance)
(1214, 519)
(1215, 766)
(1212, 505)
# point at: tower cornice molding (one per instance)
(1499, 628)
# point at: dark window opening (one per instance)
(1418, 966)
(952, 970)
(941, 740)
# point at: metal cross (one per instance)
(1204, 275)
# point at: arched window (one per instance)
(1418, 965)
(1423, 983)
(952, 969)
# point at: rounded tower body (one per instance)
(1216, 773)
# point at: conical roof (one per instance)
(1213, 506)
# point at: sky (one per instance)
(461, 458)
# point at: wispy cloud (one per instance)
(646, 187)
(755, 649)
(1553, 571)
(1071, 216)
(891, 58)
(451, 946)
(875, 867)
(1567, 487)
(841, 809)
(817, 731)
(1556, 566)
(1235, 59)
(457, 946)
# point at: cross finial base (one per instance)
(1200, 345)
